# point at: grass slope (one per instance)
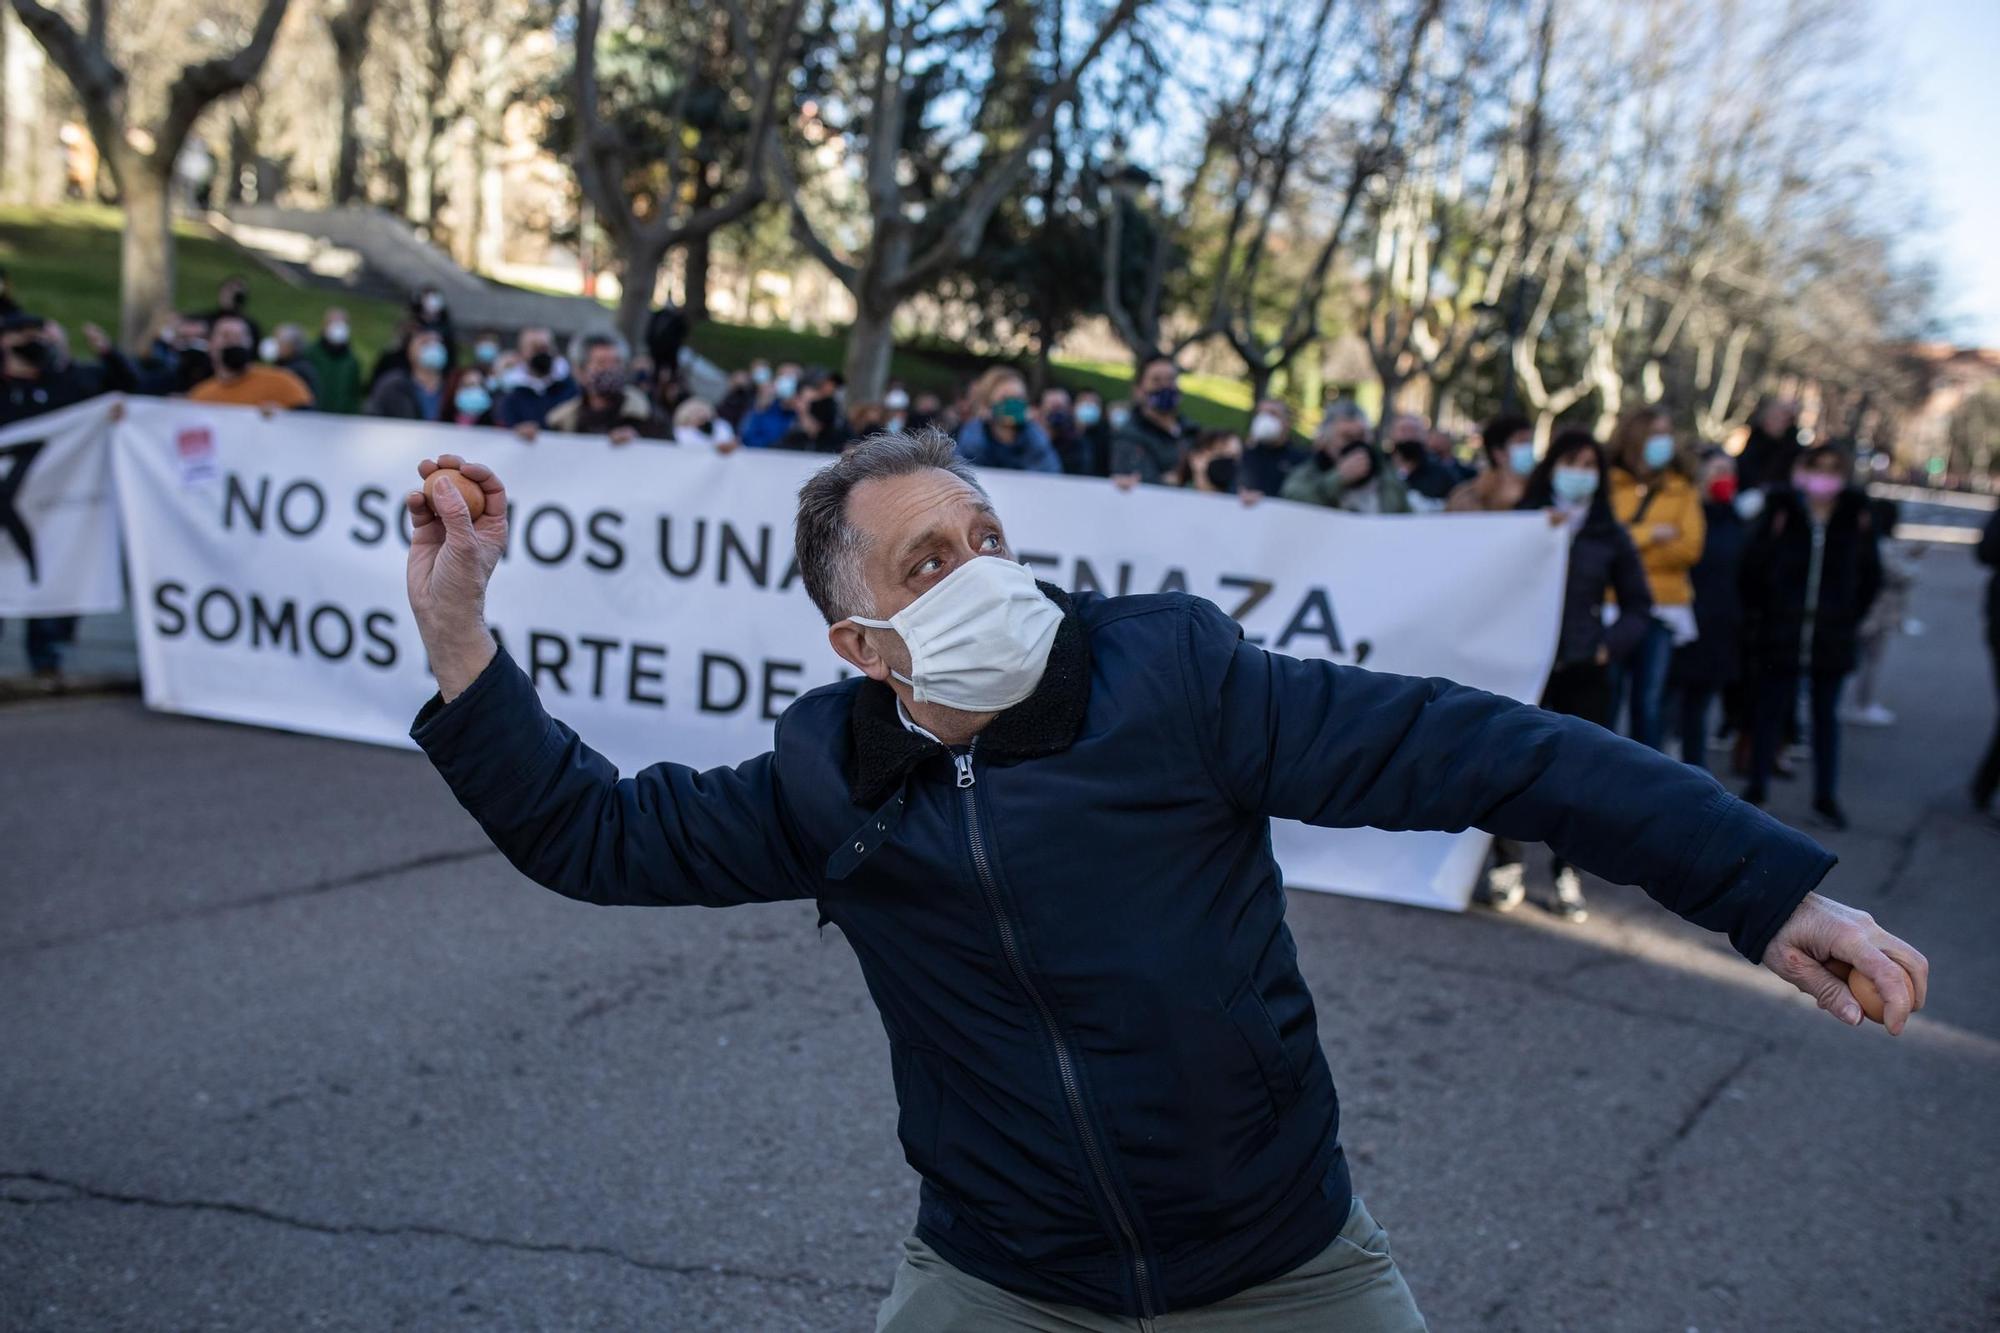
(64, 264)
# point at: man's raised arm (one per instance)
(551, 804)
(1346, 748)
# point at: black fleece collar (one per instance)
(1046, 722)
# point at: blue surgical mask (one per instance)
(485, 352)
(1659, 451)
(472, 400)
(433, 356)
(1088, 414)
(760, 375)
(1574, 485)
(785, 385)
(1521, 457)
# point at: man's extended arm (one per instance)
(555, 807)
(559, 811)
(1345, 747)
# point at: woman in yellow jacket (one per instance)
(1653, 494)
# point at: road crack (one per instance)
(374, 874)
(75, 1192)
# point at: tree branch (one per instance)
(975, 202)
(204, 83)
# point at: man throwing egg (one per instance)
(1042, 820)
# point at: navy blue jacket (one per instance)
(1107, 1064)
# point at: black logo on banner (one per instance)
(22, 457)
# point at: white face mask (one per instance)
(1749, 504)
(979, 640)
(897, 401)
(1264, 428)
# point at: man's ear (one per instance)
(852, 644)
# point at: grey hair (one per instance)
(828, 547)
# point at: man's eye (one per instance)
(930, 566)
(991, 541)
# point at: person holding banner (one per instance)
(1042, 820)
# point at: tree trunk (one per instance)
(347, 167)
(695, 280)
(146, 252)
(870, 344)
(639, 274)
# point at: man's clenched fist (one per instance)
(452, 555)
(1821, 930)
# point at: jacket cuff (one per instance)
(1766, 867)
(492, 738)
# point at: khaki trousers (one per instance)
(1352, 1286)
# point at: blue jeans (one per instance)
(47, 637)
(1774, 698)
(1643, 678)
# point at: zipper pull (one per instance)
(964, 762)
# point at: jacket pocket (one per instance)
(1254, 1025)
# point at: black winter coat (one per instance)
(1602, 560)
(1767, 460)
(1716, 658)
(1108, 1067)
(1777, 562)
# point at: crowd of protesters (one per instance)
(1758, 581)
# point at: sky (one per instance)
(1946, 60)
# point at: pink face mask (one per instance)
(1820, 485)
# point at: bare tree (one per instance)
(900, 245)
(652, 198)
(141, 158)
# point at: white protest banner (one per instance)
(649, 590)
(58, 520)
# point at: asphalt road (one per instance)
(285, 1046)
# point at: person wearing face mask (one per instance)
(37, 378)
(1427, 482)
(468, 398)
(1345, 472)
(610, 404)
(896, 408)
(335, 367)
(536, 386)
(1712, 663)
(1089, 453)
(485, 351)
(1654, 496)
(1508, 443)
(699, 426)
(926, 409)
(1042, 820)
(1149, 445)
(1568, 485)
(239, 379)
(429, 311)
(1270, 453)
(420, 393)
(286, 349)
(1000, 433)
(775, 418)
(818, 425)
(1810, 572)
(739, 397)
(1214, 463)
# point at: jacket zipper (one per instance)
(1065, 1058)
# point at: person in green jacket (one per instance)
(335, 366)
(1347, 472)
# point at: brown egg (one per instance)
(475, 499)
(1861, 988)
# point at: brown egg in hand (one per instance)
(1864, 991)
(468, 489)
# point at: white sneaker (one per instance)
(1568, 902)
(1503, 888)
